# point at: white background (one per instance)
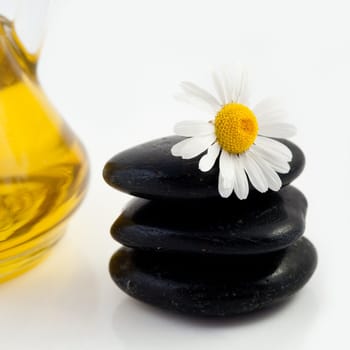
(111, 68)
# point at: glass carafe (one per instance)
(43, 167)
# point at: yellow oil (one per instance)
(43, 167)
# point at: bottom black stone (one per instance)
(214, 285)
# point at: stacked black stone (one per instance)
(189, 250)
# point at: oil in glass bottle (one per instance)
(43, 167)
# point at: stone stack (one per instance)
(191, 251)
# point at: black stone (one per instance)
(150, 171)
(214, 286)
(262, 223)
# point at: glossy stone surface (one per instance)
(262, 223)
(150, 171)
(214, 286)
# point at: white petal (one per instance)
(194, 128)
(219, 87)
(235, 81)
(208, 160)
(241, 186)
(196, 91)
(272, 178)
(255, 174)
(242, 92)
(276, 162)
(279, 130)
(176, 150)
(277, 116)
(228, 85)
(225, 189)
(196, 146)
(274, 146)
(226, 165)
(269, 109)
(201, 104)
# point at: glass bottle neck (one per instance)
(22, 36)
(29, 26)
(14, 62)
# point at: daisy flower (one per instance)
(239, 134)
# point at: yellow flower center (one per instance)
(236, 128)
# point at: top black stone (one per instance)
(150, 171)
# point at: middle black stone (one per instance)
(262, 223)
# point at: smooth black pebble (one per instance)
(150, 171)
(214, 286)
(262, 223)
